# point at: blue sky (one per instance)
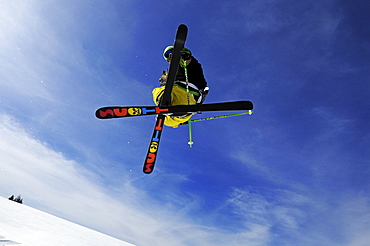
(296, 172)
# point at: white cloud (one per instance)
(310, 217)
(48, 180)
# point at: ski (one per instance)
(151, 156)
(130, 111)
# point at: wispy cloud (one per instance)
(303, 217)
(47, 179)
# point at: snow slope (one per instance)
(23, 225)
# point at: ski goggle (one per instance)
(168, 53)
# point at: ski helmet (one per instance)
(185, 51)
(167, 52)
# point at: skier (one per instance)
(190, 89)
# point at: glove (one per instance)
(163, 78)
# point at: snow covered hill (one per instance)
(23, 225)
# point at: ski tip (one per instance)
(105, 113)
(148, 168)
(248, 105)
(182, 33)
(100, 114)
(183, 26)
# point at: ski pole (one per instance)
(190, 133)
(217, 117)
(190, 127)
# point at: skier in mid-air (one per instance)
(186, 88)
(190, 89)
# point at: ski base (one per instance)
(131, 111)
(151, 156)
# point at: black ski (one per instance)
(151, 156)
(130, 111)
